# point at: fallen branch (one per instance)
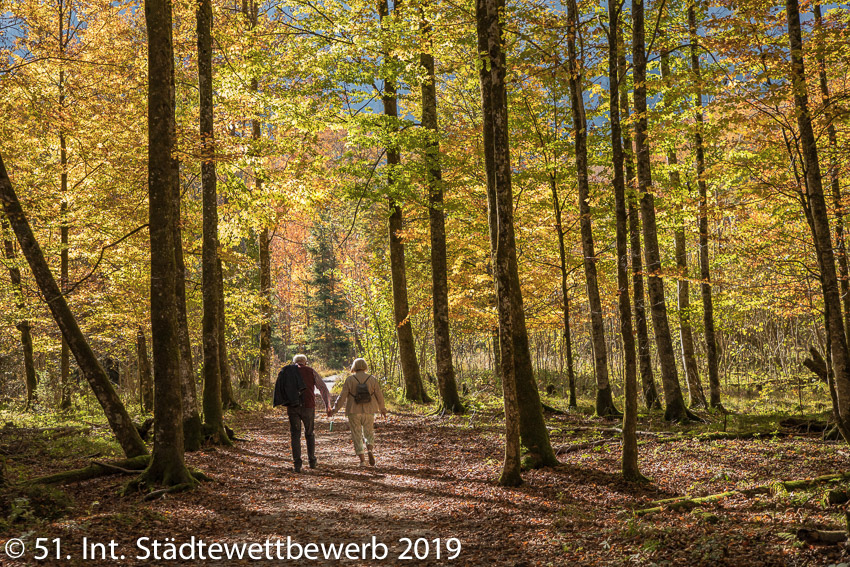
(687, 503)
(95, 470)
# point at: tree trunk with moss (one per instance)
(167, 466)
(213, 421)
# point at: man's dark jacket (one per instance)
(287, 389)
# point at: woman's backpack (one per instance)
(362, 395)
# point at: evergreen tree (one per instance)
(327, 338)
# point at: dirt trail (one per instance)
(435, 479)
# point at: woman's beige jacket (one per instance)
(349, 388)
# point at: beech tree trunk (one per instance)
(23, 326)
(192, 434)
(604, 398)
(676, 410)
(835, 183)
(266, 308)
(145, 376)
(65, 354)
(820, 220)
(213, 422)
(631, 469)
(686, 336)
(705, 272)
(436, 213)
(565, 292)
(414, 388)
(166, 466)
(647, 377)
(251, 11)
(116, 414)
(227, 399)
(495, 153)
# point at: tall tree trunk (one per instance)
(604, 398)
(266, 309)
(436, 213)
(647, 378)
(631, 469)
(835, 183)
(213, 422)
(676, 410)
(23, 326)
(192, 434)
(251, 11)
(116, 414)
(705, 272)
(145, 376)
(166, 466)
(686, 336)
(489, 48)
(820, 219)
(565, 292)
(227, 399)
(65, 354)
(414, 389)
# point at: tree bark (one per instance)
(489, 49)
(436, 213)
(565, 292)
(192, 434)
(23, 326)
(835, 183)
(213, 422)
(414, 388)
(115, 412)
(820, 219)
(266, 309)
(166, 466)
(227, 399)
(65, 354)
(631, 469)
(686, 336)
(513, 334)
(676, 410)
(145, 376)
(604, 398)
(705, 272)
(647, 378)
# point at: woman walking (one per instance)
(363, 398)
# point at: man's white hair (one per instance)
(299, 359)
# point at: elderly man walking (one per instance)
(300, 400)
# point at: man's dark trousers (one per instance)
(297, 416)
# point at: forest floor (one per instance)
(435, 478)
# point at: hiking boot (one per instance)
(371, 459)
(297, 468)
(313, 463)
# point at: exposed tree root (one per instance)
(96, 469)
(687, 503)
(550, 409)
(156, 494)
(821, 537)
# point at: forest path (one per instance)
(435, 478)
